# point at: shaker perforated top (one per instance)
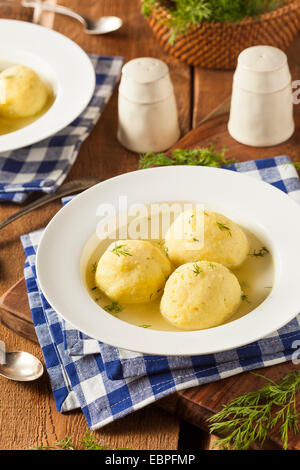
(262, 59)
(145, 69)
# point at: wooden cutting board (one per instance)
(197, 404)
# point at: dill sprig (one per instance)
(245, 297)
(145, 326)
(94, 267)
(121, 250)
(89, 442)
(202, 157)
(196, 269)
(114, 307)
(250, 417)
(183, 14)
(260, 253)
(224, 227)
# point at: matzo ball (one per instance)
(200, 295)
(223, 240)
(22, 92)
(132, 271)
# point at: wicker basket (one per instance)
(217, 45)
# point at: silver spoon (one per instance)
(21, 366)
(103, 25)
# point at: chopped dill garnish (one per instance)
(114, 307)
(260, 253)
(145, 326)
(244, 297)
(97, 299)
(94, 267)
(249, 418)
(195, 239)
(94, 288)
(196, 269)
(150, 296)
(224, 227)
(202, 157)
(212, 266)
(121, 250)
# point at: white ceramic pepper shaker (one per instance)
(261, 111)
(148, 119)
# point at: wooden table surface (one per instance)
(28, 415)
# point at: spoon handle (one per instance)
(55, 9)
(65, 190)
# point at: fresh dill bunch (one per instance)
(202, 157)
(121, 250)
(89, 442)
(250, 417)
(65, 444)
(42, 448)
(185, 13)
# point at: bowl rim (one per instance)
(281, 306)
(44, 44)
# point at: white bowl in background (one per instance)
(263, 209)
(60, 62)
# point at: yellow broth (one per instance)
(11, 124)
(255, 275)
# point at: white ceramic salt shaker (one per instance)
(261, 111)
(148, 119)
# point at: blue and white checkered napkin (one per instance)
(44, 165)
(108, 383)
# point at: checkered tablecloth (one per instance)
(44, 166)
(108, 383)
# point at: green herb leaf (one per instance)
(201, 157)
(94, 267)
(145, 326)
(121, 250)
(114, 307)
(249, 418)
(244, 297)
(224, 227)
(196, 269)
(89, 442)
(183, 14)
(260, 253)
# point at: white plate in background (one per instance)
(59, 61)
